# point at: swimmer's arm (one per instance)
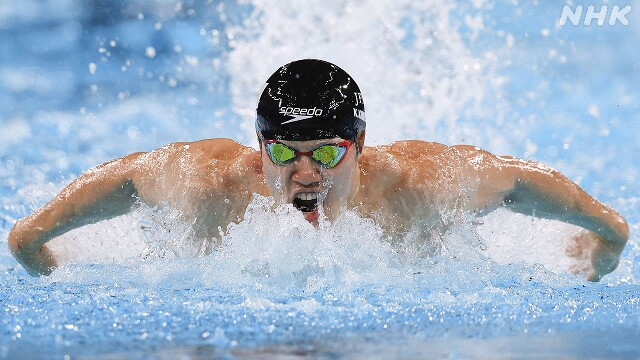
(101, 193)
(544, 192)
(533, 188)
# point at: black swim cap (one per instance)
(310, 100)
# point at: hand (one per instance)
(38, 261)
(594, 258)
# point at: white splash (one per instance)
(410, 62)
(275, 249)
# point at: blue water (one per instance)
(84, 82)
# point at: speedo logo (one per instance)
(299, 113)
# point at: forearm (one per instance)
(549, 194)
(68, 212)
(101, 193)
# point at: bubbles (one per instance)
(168, 235)
(150, 52)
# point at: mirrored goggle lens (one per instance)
(280, 153)
(329, 155)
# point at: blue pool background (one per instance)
(84, 82)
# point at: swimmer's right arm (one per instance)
(103, 192)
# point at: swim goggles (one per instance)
(328, 156)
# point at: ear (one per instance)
(360, 142)
(259, 142)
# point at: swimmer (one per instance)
(311, 130)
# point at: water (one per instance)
(85, 82)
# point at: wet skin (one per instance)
(402, 186)
(334, 187)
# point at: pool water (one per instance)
(86, 82)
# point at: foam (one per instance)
(275, 250)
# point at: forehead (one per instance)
(310, 144)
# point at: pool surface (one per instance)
(85, 82)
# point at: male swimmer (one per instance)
(311, 129)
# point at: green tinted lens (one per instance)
(280, 153)
(328, 155)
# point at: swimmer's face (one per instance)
(305, 183)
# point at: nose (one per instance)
(307, 171)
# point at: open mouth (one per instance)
(306, 202)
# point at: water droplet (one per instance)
(150, 52)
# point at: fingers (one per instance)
(603, 259)
(582, 267)
(594, 258)
(575, 248)
(36, 264)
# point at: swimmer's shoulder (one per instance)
(405, 150)
(418, 150)
(207, 150)
(234, 164)
(219, 148)
(399, 161)
(198, 159)
(413, 160)
(198, 169)
(478, 158)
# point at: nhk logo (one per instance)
(299, 113)
(616, 14)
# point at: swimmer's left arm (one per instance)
(533, 188)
